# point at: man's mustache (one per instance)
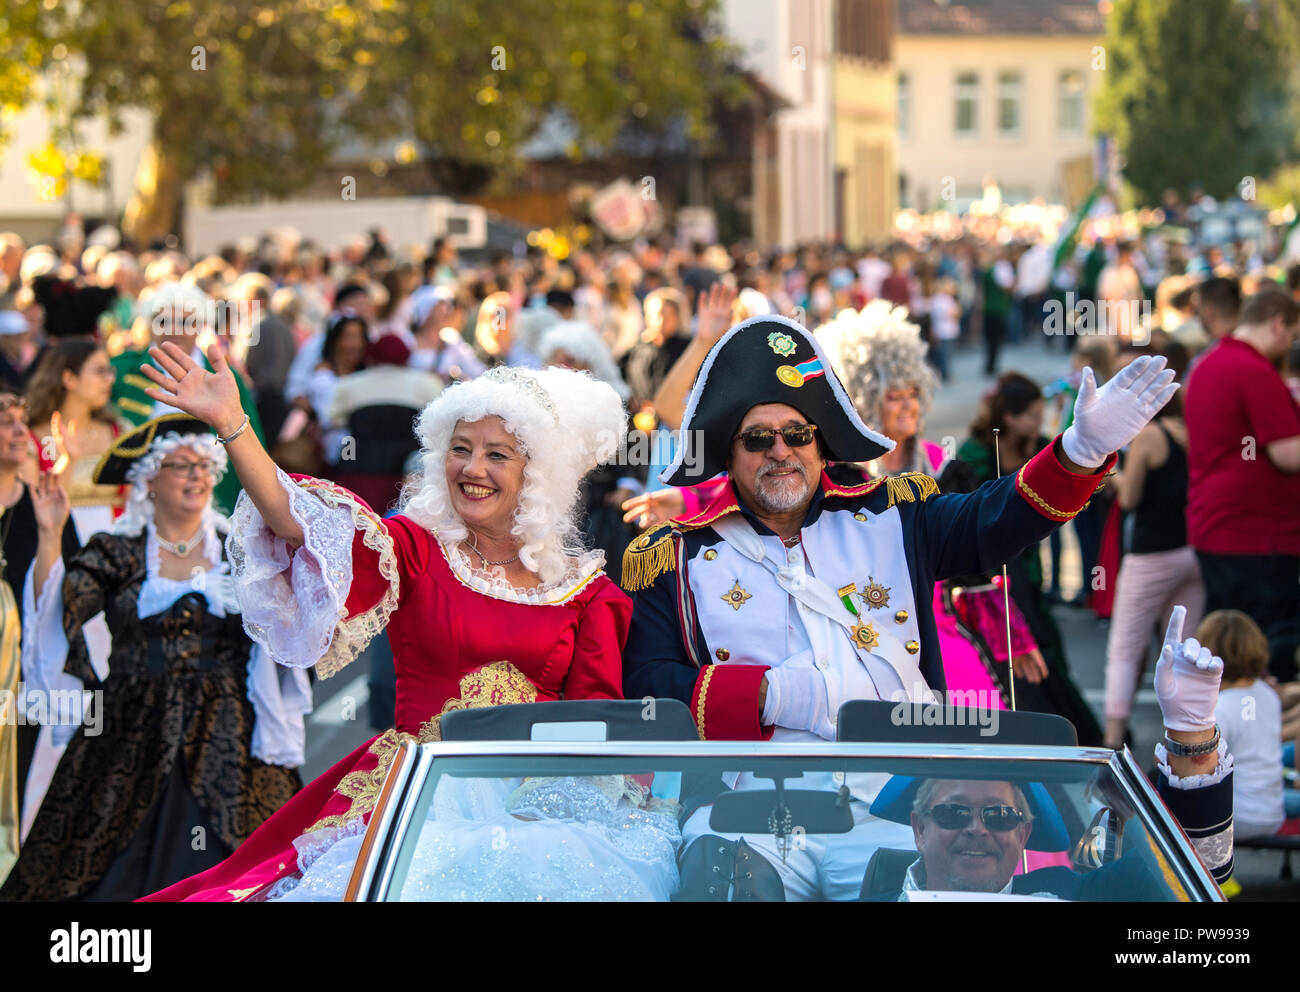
(767, 468)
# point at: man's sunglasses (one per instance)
(954, 816)
(762, 440)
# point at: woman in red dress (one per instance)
(481, 580)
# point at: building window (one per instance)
(966, 105)
(1010, 101)
(904, 106)
(1069, 104)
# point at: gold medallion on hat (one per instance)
(781, 343)
(790, 375)
(736, 597)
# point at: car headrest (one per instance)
(931, 723)
(574, 720)
(894, 803)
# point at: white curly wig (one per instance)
(567, 423)
(874, 350)
(582, 341)
(139, 507)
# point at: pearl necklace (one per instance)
(181, 549)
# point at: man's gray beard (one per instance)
(785, 498)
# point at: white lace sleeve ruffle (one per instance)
(1202, 781)
(293, 603)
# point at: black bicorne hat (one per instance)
(766, 360)
(131, 447)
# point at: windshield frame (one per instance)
(381, 858)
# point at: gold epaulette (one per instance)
(910, 486)
(648, 557)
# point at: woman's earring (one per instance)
(152, 496)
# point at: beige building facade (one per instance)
(1016, 108)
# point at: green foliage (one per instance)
(264, 92)
(1197, 91)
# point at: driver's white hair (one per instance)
(139, 507)
(566, 422)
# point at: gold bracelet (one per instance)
(242, 427)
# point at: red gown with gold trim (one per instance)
(459, 639)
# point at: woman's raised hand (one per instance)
(65, 438)
(50, 504)
(714, 313)
(212, 397)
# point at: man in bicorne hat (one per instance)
(789, 594)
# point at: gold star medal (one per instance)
(735, 597)
(875, 596)
(864, 636)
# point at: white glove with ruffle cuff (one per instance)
(1187, 679)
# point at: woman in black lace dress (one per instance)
(166, 777)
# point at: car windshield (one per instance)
(539, 827)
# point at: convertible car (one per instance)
(594, 800)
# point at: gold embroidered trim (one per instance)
(352, 636)
(699, 705)
(496, 684)
(900, 487)
(834, 489)
(704, 518)
(1034, 497)
(138, 381)
(647, 558)
(135, 406)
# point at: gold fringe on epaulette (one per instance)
(900, 487)
(646, 559)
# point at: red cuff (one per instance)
(1052, 489)
(725, 703)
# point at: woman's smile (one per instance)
(474, 492)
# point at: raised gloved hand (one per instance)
(1187, 679)
(1108, 418)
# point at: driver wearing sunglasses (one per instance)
(970, 835)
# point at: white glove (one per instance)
(1187, 679)
(796, 700)
(1108, 418)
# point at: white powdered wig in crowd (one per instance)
(583, 343)
(567, 423)
(139, 507)
(874, 350)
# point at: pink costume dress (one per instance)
(460, 639)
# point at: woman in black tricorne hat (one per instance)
(174, 766)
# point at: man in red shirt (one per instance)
(1243, 506)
